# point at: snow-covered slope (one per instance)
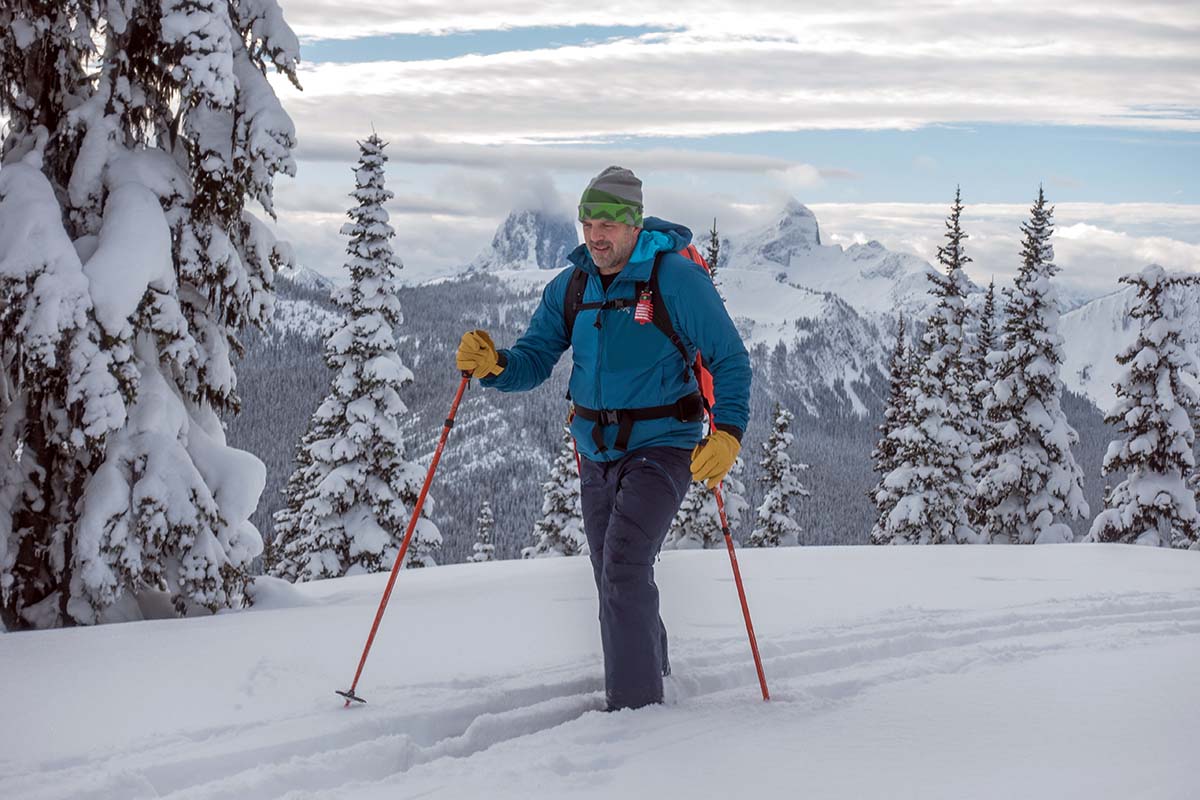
(306, 278)
(989, 672)
(841, 347)
(529, 239)
(297, 309)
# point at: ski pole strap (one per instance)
(689, 408)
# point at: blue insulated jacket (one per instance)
(622, 364)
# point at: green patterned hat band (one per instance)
(615, 194)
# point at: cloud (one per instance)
(759, 66)
(920, 25)
(341, 148)
(1094, 243)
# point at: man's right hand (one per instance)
(477, 355)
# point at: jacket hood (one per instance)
(657, 236)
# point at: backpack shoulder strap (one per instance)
(662, 318)
(573, 300)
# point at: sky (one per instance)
(870, 115)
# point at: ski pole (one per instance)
(737, 578)
(408, 534)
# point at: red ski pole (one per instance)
(737, 578)
(412, 526)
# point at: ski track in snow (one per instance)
(329, 753)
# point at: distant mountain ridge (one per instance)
(307, 278)
(870, 277)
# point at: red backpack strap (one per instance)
(703, 376)
(692, 254)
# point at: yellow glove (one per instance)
(714, 457)
(477, 355)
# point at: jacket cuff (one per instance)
(491, 381)
(732, 430)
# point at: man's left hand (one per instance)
(713, 458)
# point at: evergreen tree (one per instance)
(353, 493)
(895, 417)
(985, 343)
(1029, 480)
(713, 251)
(137, 132)
(697, 524)
(485, 549)
(931, 487)
(289, 520)
(1156, 412)
(560, 530)
(776, 523)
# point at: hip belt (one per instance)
(689, 408)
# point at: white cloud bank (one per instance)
(1095, 243)
(727, 68)
(756, 66)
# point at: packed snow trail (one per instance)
(1074, 661)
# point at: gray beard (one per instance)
(615, 262)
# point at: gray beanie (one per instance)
(615, 194)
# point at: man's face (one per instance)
(610, 243)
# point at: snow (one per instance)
(1094, 333)
(133, 253)
(951, 672)
(33, 244)
(304, 318)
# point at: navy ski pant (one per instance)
(628, 505)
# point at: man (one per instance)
(638, 414)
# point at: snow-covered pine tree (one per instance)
(289, 519)
(887, 449)
(1157, 412)
(137, 133)
(1028, 479)
(697, 524)
(559, 532)
(985, 343)
(485, 548)
(352, 496)
(932, 482)
(775, 524)
(981, 387)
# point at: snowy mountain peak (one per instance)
(796, 229)
(787, 240)
(798, 220)
(529, 239)
(868, 276)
